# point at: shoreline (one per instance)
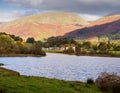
(32, 55)
(12, 72)
(8, 70)
(90, 55)
(13, 81)
(99, 55)
(20, 55)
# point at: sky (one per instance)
(90, 10)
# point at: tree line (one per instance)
(103, 46)
(11, 44)
(14, 44)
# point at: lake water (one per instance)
(64, 67)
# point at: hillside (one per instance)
(108, 25)
(44, 25)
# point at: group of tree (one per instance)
(11, 44)
(104, 46)
(88, 47)
(15, 38)
(57, 42)
(15, 44)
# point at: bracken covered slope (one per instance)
(109, 25)
(44, 25)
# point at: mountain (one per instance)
(108, 25)
(44, 25)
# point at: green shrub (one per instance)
(117, 48)
(84, 52)
(90, 81)
(70, 50)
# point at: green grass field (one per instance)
(11, 82)
(116, 53)
(54, 51)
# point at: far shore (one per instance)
(94, 55)
(32, 55)
(20, 55)
(98, 55)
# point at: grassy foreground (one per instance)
(12, 82)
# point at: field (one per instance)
(12, 82)
(54, 51)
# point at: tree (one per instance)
(16, 38)
(37, 49)
(117, 48)
(78, 49)
(110, 46)
(20, 47)
(30, 40)
(6, 41)
(86, 45)
(103, 38)
(70, 50)
(103, 47)
(58, 41)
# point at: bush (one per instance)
(117, 48)
(84, 52)
(109, 83)
(90, 81)
(2, 90)
(30, 40)
(70, 50)
(78, 49)
(37, 49)
(116, 88)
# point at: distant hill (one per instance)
(114, 13)
(44, 25)
(108, 25)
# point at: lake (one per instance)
(63, 67)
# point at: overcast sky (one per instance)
(88, 9)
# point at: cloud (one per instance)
(5, 16)
(15, 14)
(88, 9)
(89, 17)
(25, 3)
(9, 16)
(98, 7)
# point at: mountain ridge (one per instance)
(104, 26)
(44, 25)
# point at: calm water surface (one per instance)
(60, 66)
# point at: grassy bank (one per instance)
(12, 82)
